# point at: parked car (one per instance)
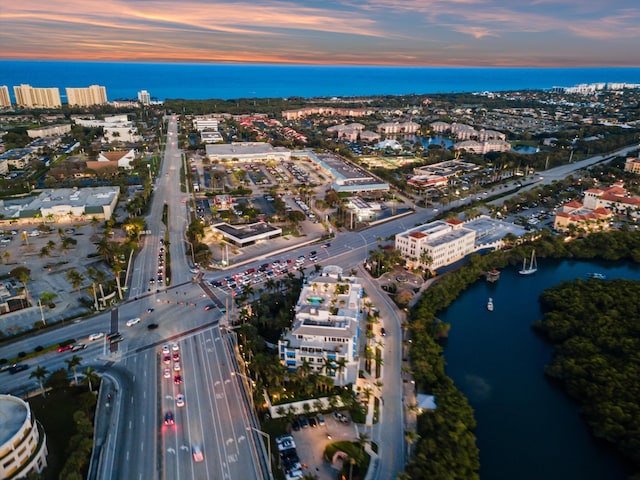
(304, 422)
(320, 419)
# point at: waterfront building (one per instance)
(86, 97)
(23, 443)
(144, 97)
(116, 127)
(5, 99)
(326, 328)
(614, 198)
(29, 97)
(435, 244)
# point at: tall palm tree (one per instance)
(39, 374)
(340, 366)
(72, 364)
(91, 377)
(75, 278)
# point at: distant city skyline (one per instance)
(370, 32)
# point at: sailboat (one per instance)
(490, 304)
(532, 267)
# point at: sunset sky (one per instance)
(367, 32)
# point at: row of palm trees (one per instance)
(91, 377)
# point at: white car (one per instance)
(180, 400)
(96, 336)
(165, 349)
(132, 321)
(167, 373)
(175, 347)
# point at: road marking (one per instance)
(144, 394)
(241, 438)
(171, 450)
(141, 446)
(127, 455)
(130, 424)
(184, 447)
(131, 400)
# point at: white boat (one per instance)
(598, 276)
(532, 267)
(490, 304)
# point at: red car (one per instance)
(64, 348)
(177, 379)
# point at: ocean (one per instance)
(226, 82)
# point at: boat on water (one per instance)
(490, 304)
(531, 267)
(598, 276)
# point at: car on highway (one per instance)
(64, 348)
(176, 356)
(78, 346)
(149, 310)
(167, 373)
(18, 367)
(198, 456)
(180, 400)
(95, 336)
(177, 379)
(152, 326)
(326, 245)
(165, 348)
(168, 419)
(132, 321)
(116, 339)
(209, 307)
(175, 347)
(113, 335)
(176, 366)
(166, 358)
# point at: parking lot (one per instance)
(311, 442)
(47, 272)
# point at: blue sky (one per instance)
(362, 32)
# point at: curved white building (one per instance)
(23, 447)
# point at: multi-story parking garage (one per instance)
(23, 448)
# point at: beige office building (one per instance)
(29, 97)
(86, 97)
(5, 100)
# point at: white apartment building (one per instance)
(86, 97)
(444, 242)
(144, 97)
(326, 327)
(5, 99)
(29, 97)
(23, 443)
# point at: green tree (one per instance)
(40, 374)
(72, 364)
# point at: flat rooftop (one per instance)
(13, 414)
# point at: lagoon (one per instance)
(527, 428)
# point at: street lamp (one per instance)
(42, 313)
(268, 437)
(251, 384)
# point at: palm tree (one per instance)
(6, 255)
(304, 368)
(411, 437)
(39, 373)
(72, 364)
(117, 269)
(91, 377)
(75, 278)
(340, 366)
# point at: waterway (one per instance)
(527, 428)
